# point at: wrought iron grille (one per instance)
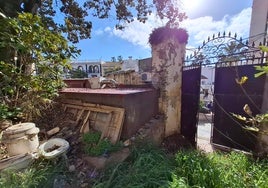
(225, 50)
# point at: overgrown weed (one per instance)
(147, 167)
(151, 167)
(41, 174)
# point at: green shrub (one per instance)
(9, 113)
(91, 137)
(32, 62)
(197, 169)
(93, 146)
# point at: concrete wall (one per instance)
(259, 19)
(130, 64)
(126, 77)
(167, 61)
(110, 67)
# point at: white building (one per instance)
(130, 64)
(92, 68)
(207, 84)
(259, 22)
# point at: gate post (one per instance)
(168, 51)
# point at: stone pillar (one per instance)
(167, 61)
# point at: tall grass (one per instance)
(41, 174)
(147, 167)
(151, 168)
(197, 169)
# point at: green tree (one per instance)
(262, 70)
(113, 59)
(31, 79)
(119, 58)
(75, 12)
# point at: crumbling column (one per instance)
(168, 51)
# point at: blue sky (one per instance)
(205, 17)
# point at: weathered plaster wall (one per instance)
(167, 60)
(130, 64)
(126, 77)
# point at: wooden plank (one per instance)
(98, 110)
(79, 115)
(65, 108)
(73, 106)
(108, 124)
(94, 117)
(72, 101)
(113, 123)
(91, 108)
(84, 122)
(115, 128)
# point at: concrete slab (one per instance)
(204, 132)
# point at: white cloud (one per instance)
(107, 29)
(138, 33)
(241, 23)
(199, 29)
(98, 32)
(135, 32)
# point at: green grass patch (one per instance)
(94, 146)
(147, 167)
(197, 169)
(150, 167)
(41, 174)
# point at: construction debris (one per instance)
(106, 119)
(53, 131)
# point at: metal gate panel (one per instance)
(230, 97)
(190, 102)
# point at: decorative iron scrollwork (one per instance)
(224, 49)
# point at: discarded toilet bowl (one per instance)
(53, 148)
(21, 138)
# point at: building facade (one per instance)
(92, 68)
(259, 22)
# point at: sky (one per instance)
(205, 18)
